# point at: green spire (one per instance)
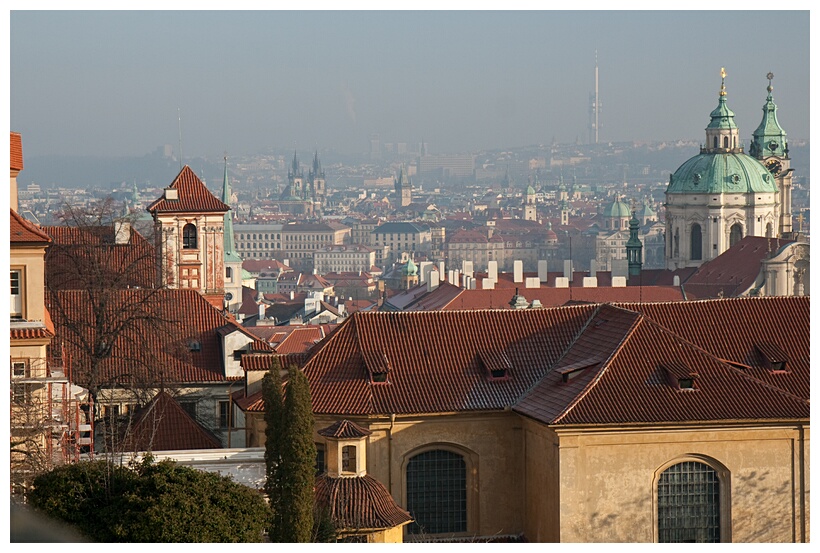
(769, 139)
(634, 247)
(229, 244)
(722, 117)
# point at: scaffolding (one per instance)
(49, 425)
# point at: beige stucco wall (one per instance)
(31, 262)
(608, 479)
(541, 483)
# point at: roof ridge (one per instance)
(639, 318)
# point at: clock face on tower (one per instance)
(774, 166)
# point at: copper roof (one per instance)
(193, 196)
(22, 232)
(16, 152)
(163, 425)
(154, 336)
(359, 504)
(344, 429)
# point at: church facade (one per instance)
(723, 194)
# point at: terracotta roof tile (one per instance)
(434, 359)
(359, 504)
(77, 252)
(25, 232)
(344, 429)
(16, 152)
(30, 333)
(163, 425)
(193, 195)
(158, 342)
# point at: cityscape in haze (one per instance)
(520, 275)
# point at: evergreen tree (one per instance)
(298, 460)
(274, 420)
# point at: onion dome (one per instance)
(409, 269)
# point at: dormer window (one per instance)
(774, 358)
(680, 376)
(194, 345)
(497, 364)
(573, 370)
(378, 366)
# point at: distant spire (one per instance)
(228, 240)
(723, 81)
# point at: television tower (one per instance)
(594, 108)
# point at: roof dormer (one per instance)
(679, 376)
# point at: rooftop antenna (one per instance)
(179, 126)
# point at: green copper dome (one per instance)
(617, 209)
(769, 139)
(718, 173)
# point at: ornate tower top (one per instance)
(769, 139)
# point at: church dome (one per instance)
(617, 209)
(718, 173)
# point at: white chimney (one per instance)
(590, 282)
(467, 267)
(593, 267)
(561, 282)
(261, 311)
(122, 232)
(492, 270)
(676, 280)
(518, 271)
(432, 282)
(488, 284)
(171, 194)
(568, 269)
(618, 282)
(543, 273)
(532, 282)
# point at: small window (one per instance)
(686, 384)
(19, 369)
(111, 411)
(195, 345)
(320, 458)
(189, 237)
(225, 418)
(16, 293)
(229, 272)
(349, 458)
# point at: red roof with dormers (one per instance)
(22, 232)
(16, 152)
(167, 336)
(193, 196)
(582, 364)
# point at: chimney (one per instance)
(122, 232)
(261, 311)
(676, 281)
(568, 269)
(543, 273)
(492, 270)
(171, 194)
(518, 271)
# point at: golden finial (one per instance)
(723, 81)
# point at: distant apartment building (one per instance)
(474, 246)
(258, 241)
(343, 258)
(300, 240)
(447, 165)
(399, 237)
(361, 229)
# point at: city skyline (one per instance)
(460, 81)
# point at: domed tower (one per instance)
(616, 215)
(634, 247)
(529, 204)
(563, 204)
(770, 147)
(719, 196)
(409, 275)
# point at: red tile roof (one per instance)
(734, 271)
(22, 232)
(434, 361)
(584, 364)
(80, 253)
(156, 343)
(359, 504)
(163, 425)
(193, 196)
(16, 152)
(344, 429)
(39, 333)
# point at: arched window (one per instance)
(437, 492)
(228, 272)
(689, 504)
(735, 234)
(726, 142)
(189, 237)
(696, 249)
(768, 230)
(716, 142)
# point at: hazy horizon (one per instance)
(117, 83)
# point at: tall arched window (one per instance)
(735, 234)
(189, 237)
(768, 230)
(689, 504)
(437, 492)
(696, 248)
(229, 273)
(715, 141)
(726, 142)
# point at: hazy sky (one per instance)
(112, 83)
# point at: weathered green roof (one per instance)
(717, 173)
(617, 209)
(769, 139)
(409, 269)
(530, 190)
